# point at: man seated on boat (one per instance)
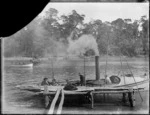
(54, 83)
(45, 81)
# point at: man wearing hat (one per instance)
(45, 81)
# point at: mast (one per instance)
(107, 56)
(84, 65)
(84, 70)
(122, 70)
(52, 68)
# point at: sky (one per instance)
(102, 11)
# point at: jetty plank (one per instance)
(61, 102)
(51, 110)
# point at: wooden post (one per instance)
(46, 96)
(131, 97)
(104, 97)
(124, 97)
(92, 100)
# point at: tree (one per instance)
(11, 46)
(126, 34)
(144, 34)
(70, 23)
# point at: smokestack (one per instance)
(97, 67)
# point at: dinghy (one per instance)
(28, 65)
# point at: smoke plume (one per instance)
(51, 46)
(83, 44)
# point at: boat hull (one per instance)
(84, 89)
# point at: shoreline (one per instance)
(113, 58)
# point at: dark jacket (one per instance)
(45, 82)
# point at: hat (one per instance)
(45, 78)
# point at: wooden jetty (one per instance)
(128, 94)
(88, 88)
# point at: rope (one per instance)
(134, 79)
(122, 70)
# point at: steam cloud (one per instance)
(83, 44)
(53, 47)
(74, 47)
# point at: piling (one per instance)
(46, 96)
(131, 97)
(92, 100)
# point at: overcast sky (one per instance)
(103, 11)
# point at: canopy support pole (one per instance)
(52, 69)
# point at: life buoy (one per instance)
(115, 79)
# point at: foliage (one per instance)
(50, 36)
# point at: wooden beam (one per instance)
(61, 102)
(51, 110)
(109, 92)
(85, 92)
(92, 100)
(124, 97)
(131, 97)
(46, 96)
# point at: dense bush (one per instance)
(49, 36)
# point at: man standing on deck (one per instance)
(82, 79)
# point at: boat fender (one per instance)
(115, 79)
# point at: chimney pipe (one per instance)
(97, 68)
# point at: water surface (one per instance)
(20, 101)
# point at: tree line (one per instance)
(44, 36)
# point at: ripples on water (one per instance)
(19, 101)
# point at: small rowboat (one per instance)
(28, 65)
